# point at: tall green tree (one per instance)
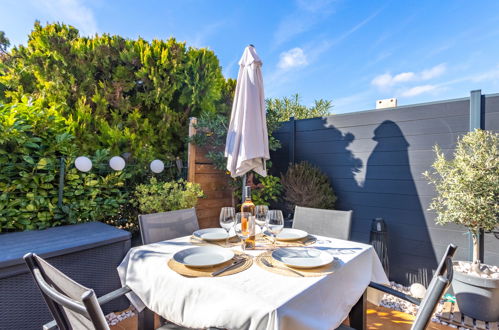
(122, 95)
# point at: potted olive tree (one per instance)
(467, 189)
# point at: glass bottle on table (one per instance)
(248, 208)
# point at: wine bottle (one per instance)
(249, 207)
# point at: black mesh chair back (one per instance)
(330, 223)
(72, 305)
(163, 226)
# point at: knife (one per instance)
(229, 267)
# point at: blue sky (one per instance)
(350, 52)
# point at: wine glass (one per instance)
(275, 223)
(244, 226)
(261, 215)
(227, 221)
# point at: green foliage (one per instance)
(280, 110)
(264, 190)
(468, 184)
(305, 185)
(33, 138)
(268, 191)
(121, 95)
(157, 196)
(4, 42)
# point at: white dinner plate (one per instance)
(290, 234)
(203, 256)
(302, 257)
(214, 234)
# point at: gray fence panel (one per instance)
(375, 160)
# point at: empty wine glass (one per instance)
(227, 221)
(244, 226)
(261, 215)
(275, 223)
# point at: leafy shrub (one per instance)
(122, 95)
(264, 190)
(305, 185)
(33, 138)
(154, 197)
(468, 185)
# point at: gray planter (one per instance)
(477, 297)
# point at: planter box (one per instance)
(89, 253)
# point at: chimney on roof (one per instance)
(386, 103)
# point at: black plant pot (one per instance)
(477, 297)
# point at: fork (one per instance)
(268, 264)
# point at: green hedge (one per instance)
(123, 95)
(33, 139)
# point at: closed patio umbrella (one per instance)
(247, 145)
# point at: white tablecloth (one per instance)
(254, 298)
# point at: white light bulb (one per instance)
(83, 164)
(117, 163)
(157, 166)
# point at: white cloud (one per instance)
(387, 80)
(307, 15)
(492, 75)
(292, 58)
(418, 90)
(434, 72)
(72, 12)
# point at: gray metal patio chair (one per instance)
(72, 305)
(438, 286)
(163, 226)
(330, 223)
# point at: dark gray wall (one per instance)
(374, 160)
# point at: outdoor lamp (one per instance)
(117, 163)
(157, 166)
(83, 164)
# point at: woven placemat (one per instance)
(263, 242)
(308, 240)
(282, 269)
(234, 241)
(206, 272)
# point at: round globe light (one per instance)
(83, 164)
(157, 166)
(117, 163)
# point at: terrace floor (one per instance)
(377, 318)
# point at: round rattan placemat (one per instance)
(206, 272)
(282, 269)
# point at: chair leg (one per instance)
(357, 316)
(146, 320)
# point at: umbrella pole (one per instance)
(243, 198)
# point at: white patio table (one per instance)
(254, 298)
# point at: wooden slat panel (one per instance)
(446, 310)
(468, 321)
(213, 182)
(493, 325)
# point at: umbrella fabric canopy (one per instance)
(247, 146)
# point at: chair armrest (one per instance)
(395, 293)
(113, 295)
(50, 326)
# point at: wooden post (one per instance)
(191, 152)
